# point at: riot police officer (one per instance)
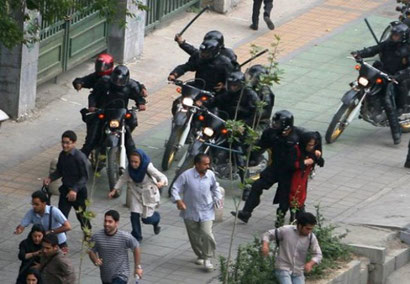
(115, 91)
(215, 35)
(104, 64)
(281, 139)
(394, 55)
(209, 66)
(253, 76)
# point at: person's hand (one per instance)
(36, 266)
(46, 181)
(172, 77)
(78, 86)
(219, 86)
(98, 262)
(198, 103)
(139, 272)
(181, 205)
(71, 196)
(309, 162)
(160, 184)
(355, 54)
(178, 38)
(112, 193)
(92, 109)
(144, 92)
(309, 266)
(318, 154)
(265, 249)
(142, 107)
(19, 230)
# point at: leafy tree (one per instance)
(14, 12)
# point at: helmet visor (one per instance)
(119, 80)
(101, 66)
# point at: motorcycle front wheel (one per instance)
(338, 123)
(171, 149)
(113, 166)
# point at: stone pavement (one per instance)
(361, 166)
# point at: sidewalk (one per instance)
(314, 46)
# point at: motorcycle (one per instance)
(184, 112)
(212, 138)
(111, 150)
(364, 98)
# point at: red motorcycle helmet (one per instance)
(104, 64)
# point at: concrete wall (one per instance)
(221, 6)
(126, 43)
(18, 76)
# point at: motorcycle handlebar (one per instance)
(385, 75)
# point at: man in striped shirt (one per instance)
(110, 251)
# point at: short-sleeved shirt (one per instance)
(113, 250)
(57, 220)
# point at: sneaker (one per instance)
(269, 23)
(157, 229)
(243, 216)
(208, 265)
(199, 261)
(253, 27)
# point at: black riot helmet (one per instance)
(235, 81)
(282, 120)
(399, 32)
(215, 35)
(253, 74)
(120, 76)
(209, 49)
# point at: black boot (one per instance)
(395, 128)
(242, 215)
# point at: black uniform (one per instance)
(211, 71)
(395, 58)
(72, 167)
(228, 52)
(107, 95)
(267, 8)
(88, 81)
(266, 95)
(283, 157)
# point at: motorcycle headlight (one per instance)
(188, 102)
(363, 81)
(114, 123)
(208, 131)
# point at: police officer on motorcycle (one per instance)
(253, 77)
(114, 92)
(209, 65)
(394, 55)
(281, 139)
(215, 35)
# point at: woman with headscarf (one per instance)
(309, 153)
(143, 181)
(29, 251)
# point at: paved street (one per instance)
(362, 176)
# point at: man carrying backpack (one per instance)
(293, 243)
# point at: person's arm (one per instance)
(94, 258)
(369, 51)
(316, 254)
(24, 222)
(54, 175)
(137, 262)
(82, 168)
(176, 190)
(216, 192)
(120, 183)
(188, 48)
(62, 229)
(266, 239)
(183, 68)
(161, 179)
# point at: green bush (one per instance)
(250, 267)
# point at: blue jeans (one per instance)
(136, 223)
(117, 280)
(286, 277)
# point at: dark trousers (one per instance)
(268, 178)
(267, 8)
(390, 108)
(136, 223)
(117, 280)
(65, 206)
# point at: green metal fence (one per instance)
(66, 43)
(160, 10)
